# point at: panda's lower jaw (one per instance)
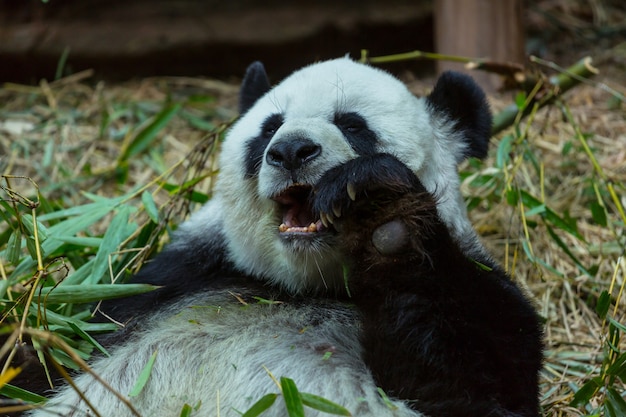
(296, 212)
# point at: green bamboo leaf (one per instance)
(17, 393)
(293, 402)
(616, 401)
(608, 409)
(540, 209)
(195, 196)
(143, 376)
(61, 321)
(42, 231)
(14, 247)
(619, 326)
(550, 216)
(481, 265)
(88, 242)
(150, 206)
(4, 286)
(261, 406)
(520, 100)
(70, 226)
(117, 232)
(198, 122)
(504, 150)
(323, 405)
(80, 275)
(604, 302)
(32, 248)
(567, 251)
(84, 293)
(598, 213)
(512, 197)
(86, 337)
(618, 367)
(82, 210)
(586, 392)
(528, 251)
(386, 399)
(186, 411)
(144, 137)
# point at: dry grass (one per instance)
(566, 296)
(68, 136)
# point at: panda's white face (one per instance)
(316, 119)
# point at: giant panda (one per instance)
(336, 251)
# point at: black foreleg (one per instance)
(450, 336)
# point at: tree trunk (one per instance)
(490, 29)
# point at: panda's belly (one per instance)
(219, 356)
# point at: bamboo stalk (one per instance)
(554, 87)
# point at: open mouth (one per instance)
(296, 210)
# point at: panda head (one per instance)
(319, 117)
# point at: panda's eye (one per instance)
(350, 123)
(271, 125)
(357, 132)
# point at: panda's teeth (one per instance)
(312, 228)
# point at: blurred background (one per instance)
(122, 39)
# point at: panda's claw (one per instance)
(351, 191)
(337, 210)
(324, 219)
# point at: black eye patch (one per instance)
(271, 125)
(256, 147)
(356, 131)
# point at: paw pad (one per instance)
(391, 237)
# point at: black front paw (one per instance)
(363, 183)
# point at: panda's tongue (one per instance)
(297, 214)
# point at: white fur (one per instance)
(308, 100)
(215, 353)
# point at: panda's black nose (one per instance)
(292, 154)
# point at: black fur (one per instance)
(255, 149)
(178, 271)
(458, 97)
(254, 85)
(439, 331)
(357, 133)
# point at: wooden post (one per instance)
(490, 29)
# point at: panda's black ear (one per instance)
(255, 84)
(461, 101)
